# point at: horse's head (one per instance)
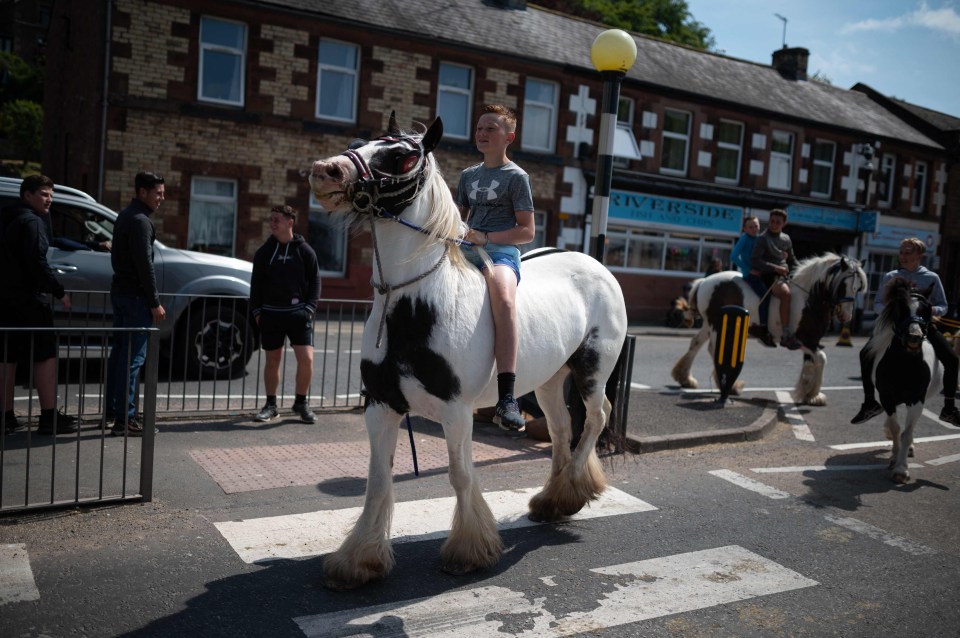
(845, 279)
(379, 177)
(909, 312)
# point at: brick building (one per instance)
(232, 101)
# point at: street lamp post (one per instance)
(613, 53)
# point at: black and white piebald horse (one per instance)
(906, 370)
(428, 348)
(819, 287)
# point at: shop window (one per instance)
(213, 215)
(338, 66)
(454, 97)
(676, 140)
(781, 161)
(729, 151)
(540, 101)
(222, 61)
(821, 177)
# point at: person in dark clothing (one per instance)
(284, 292)
(26, 282)
(135, 300)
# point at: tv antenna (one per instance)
(784, 29)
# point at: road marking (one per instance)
(16, 577)
(930, 414)
(630, 593)
(771, 389)
(639, 386)
(921, 439)
(748, 483)
(315, 533)
(944, 459)
(792, 416)
(878, 534)
(826, 468)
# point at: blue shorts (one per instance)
(500, 254)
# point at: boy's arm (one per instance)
(522, 233)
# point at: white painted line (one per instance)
(315, 533)
(792, 415)
(930, 414)
(750, 484)
(825, 468)
(16, 576)
(943, 460)
(632, 592)
(639, 386)
(921, 439)
(876, 533)
(772, 389)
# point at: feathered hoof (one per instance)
(689, 383)
(457, 568)
(900, 477)
(818, 400)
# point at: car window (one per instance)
(77, 224)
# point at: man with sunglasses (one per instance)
(911, 254)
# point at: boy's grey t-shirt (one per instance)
(493, 195)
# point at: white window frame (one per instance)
(535, 110)
(781, 164)
(821, 165)
(918, 194)
(194, 221)
(207, 47)
(728, 146)
(457, 91)
(888, 168)
(318, 211)
(626, 108)
(674, 135)
(352, 73)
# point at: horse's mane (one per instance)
(813, 269)
(442, 222)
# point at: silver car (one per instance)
(207, 332)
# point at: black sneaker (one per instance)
(268, 413)
(868, 410)
(11, 424)
(951, 415)
(508, 416)
(304, 412)
(134, 427)
(790, 342)
(765, 337)
(57, 423)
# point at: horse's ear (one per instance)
(432, 137)
(392, 127)
(844, 264)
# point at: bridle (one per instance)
(901, 329)
(374, 185)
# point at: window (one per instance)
(781, 161)
(454, 97)
(538, 132)
(625, 110)
(328, 239)
(676, 137)
(638, 250)
(886, 183)
(338, 67)
(729, 149)
(222, 61)
(213, 215)
(821, 181)
(918, 195)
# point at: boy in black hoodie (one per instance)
(284, 292)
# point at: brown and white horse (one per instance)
(819, 287)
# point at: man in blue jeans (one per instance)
(136, 302)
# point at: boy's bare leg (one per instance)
(502, 283)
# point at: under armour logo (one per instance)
(489, 190)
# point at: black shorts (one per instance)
(15, 347)
(295, 325)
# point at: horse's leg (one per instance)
(576, 481)
(366, 553)
(681, 369)
(807, 390)
(900, 470)
(474, 541)
(551, 398)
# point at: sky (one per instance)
(907, 49)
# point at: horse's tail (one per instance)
(613, 437)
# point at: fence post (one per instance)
(149, 414)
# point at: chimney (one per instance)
(792, 62)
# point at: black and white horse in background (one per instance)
(819, 287)
(428, 349)
(906, 370)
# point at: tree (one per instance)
(21, 122)
(19, 80)
(666, 19)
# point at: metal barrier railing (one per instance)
(96, 467)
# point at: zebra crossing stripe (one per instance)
(16, 577)
(792, 416)
(918, 439)
(883, 536)
(315, 533)
(748, 483)
(630, 592)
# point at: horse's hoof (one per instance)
(457, 569)
(900, 477)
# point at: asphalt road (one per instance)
(800, 533)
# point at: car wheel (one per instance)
(219, 340)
